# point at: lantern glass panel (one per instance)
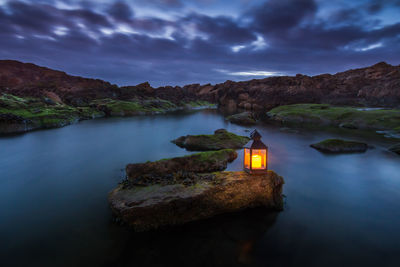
(258, 159)
(247, 158)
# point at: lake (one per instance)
(340, 210)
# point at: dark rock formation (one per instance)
(340, 146)
(221, 139)
(200, 163)
(395, 149)
(26, 79)
(376, 85)
(154, 206)
(10, 123)
(244, 118)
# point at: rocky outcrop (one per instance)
(384, 120)
(184, 189)
(154, 206)
(244, 118)
(26, 79)
(340, 146)
(10, 123)
(221, 139)
(376, 85)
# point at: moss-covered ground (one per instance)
(377, 119)
(39, 113)
(134, 107)
(42, 115)
(199, 103)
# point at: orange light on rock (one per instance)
(255, 155)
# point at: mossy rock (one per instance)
(202, 162)
(244, 118)
(346, 117)
(340, 146)
(156, 205)
(221, 139)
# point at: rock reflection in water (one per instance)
(226, 240)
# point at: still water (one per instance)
(341, 210)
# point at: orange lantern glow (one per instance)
(255, 155)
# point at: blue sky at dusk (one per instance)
(176, 42)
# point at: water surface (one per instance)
(341, 210)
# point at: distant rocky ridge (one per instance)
(377, 85)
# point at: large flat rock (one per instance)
(156, 205)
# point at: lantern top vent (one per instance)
(256, 143)
(255, 135)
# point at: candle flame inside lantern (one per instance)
(256, 161)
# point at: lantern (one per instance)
(255, 155)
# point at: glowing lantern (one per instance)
(255, 155)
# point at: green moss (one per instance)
(134, 107)
(37, 112)
(199, 103)
(323, 113)
(206, 142)
(209, 156)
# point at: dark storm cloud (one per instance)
(378, 5)
(120, 10)
(163, 3)
(113, 41)
(281, 15)
(220, 29)
(38, 18)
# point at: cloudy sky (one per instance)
(177, 42)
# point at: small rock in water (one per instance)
(221, 139)
(244, 118)
(340, 146)
(348, 126)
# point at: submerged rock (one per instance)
(221, 139)
(340, 146)
(395, 149)
(154, 206)
(245, 118)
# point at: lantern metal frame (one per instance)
(255, 144)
